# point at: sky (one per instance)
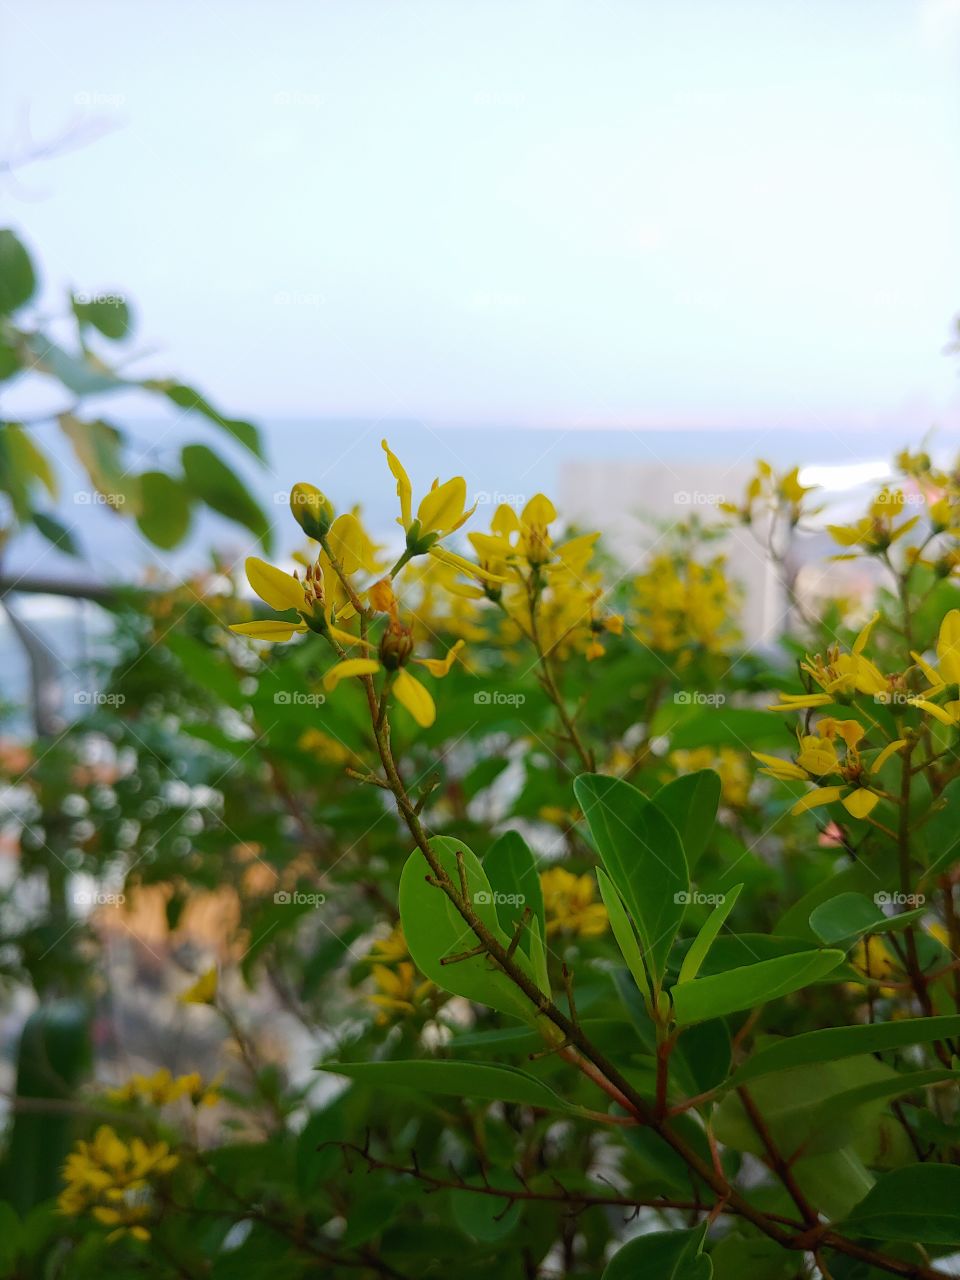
(614, 213)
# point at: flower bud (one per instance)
(396, 646)
(311, 510)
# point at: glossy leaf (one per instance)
(691, 802)
(833, 1043)
(434, 930)
(920, 1202)
(666, 1255)
(722, 993)
(850, 915)
(704, 940)
(643, 856)
(512, 872)
(460, 1079)
(624, 934)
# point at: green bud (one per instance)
(311, 510)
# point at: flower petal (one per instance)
(278, 589)
(441, 666)
(404, 487)
(443, 506)
(273, 629)
(350, 544)
(349, 667)
(860, 802)
(813, 799)
(411, 694)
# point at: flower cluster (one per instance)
(112, 1179)
(569, 904)
(163, 1088)
(682, 603)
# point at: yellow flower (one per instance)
(818, 759)
(408, 691)
(203, 991)
(878, 529)
(945, 674)
(682, 603)
(839, 675)
(442, 511)
(162, 1088)
(284, 591)
(732, 766)
(569, 904)
(108, 1178)
(397, 990)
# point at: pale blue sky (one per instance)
(705, 213)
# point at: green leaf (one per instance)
(939, 834)
(55, 532)
(538, 957)
(512, 872)
(484, 1217)
(833, 1043)
(434, 929)
(661, 1255)
(920, 1202)
(188, 398)
(77, 373)
(17, 279)
(108, 314)
(624, 934)
(165, 515)
(98, 446)
(691, 804)
(642, 853)
(850, 915)
(707, 935)
(745, 988)
(843, 1104)
(461, 1079)
(28, 458)
(211, 480)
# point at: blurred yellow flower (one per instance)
(818, 759)
(108, 1178)
(203, 991)
(162, 1088)
(569, 904)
